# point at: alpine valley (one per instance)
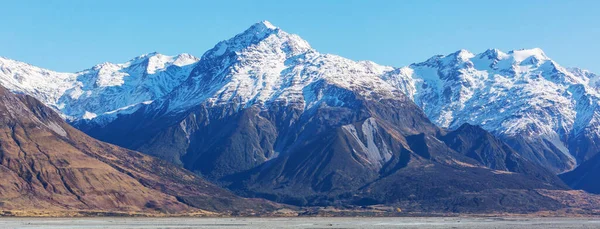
(268, 117)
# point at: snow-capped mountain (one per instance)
(108, 89)
(521, 93)
(45, 85)
(273, 117)
(268, 114)
(103, 91)
(546, 112)
(264, 65)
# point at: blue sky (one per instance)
(75, 35)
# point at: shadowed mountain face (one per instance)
(585, 177)
(217, 141)
(360, 153)
(418, 172)
(476, 143)
(46, 164)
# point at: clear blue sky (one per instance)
(75, 35)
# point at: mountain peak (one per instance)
(256, 34)
(493, 54)
(266, 24)
(133, 61)
(524, 54)
(260, 29)
(145, 57)
(185, 59)
(468, 127)
(463, 54)
(152, 61)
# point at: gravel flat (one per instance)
(267, 223)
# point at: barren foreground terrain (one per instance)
(267, 223)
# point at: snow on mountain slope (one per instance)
(590, 78)
(519, 93)
(45, 85)
(265, 65)
(109, 89)
(261, 65)
(101, 92)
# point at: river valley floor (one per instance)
(299, 222)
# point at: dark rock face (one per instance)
(360, 153)
(476, 143)
(585, 177)
(48, 165)
(586, 145)
(541, 152)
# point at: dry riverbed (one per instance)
(300, 222)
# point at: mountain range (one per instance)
(266, 115)
(545, 111)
